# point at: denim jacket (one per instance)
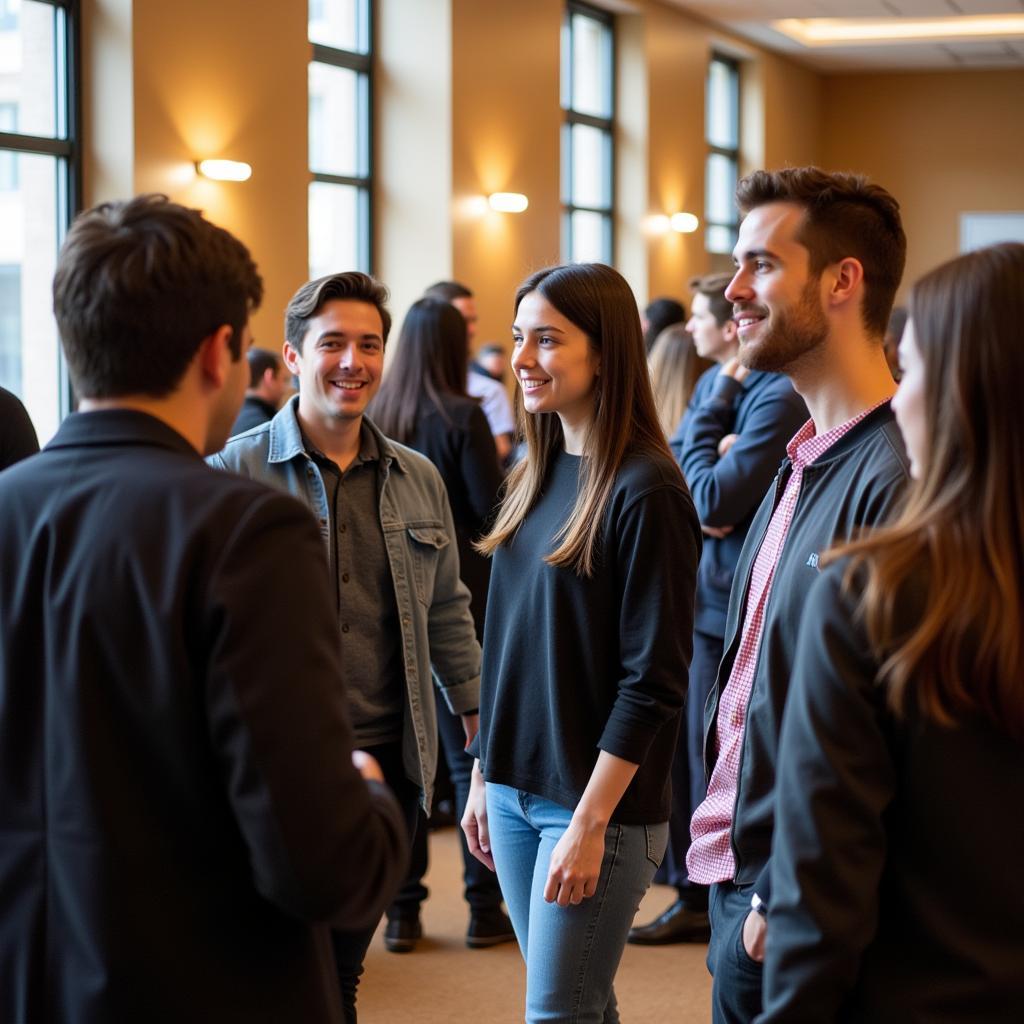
(438, 637)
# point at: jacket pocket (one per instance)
(425, 544)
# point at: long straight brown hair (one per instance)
(598, 301)
(675, 369)
(963, 523)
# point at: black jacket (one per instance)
(17, 435)
(856, 483)
(896, 894)
(177, 798)
(254, 411)
(765, 412)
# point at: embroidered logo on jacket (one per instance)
(812, 560)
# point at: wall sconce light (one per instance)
(684, 223)
(508, 202)
(224, 170)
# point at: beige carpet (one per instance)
(444, 982)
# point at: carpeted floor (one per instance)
(444, 982)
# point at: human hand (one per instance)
(755, 928)
(575, 864)
(470, 726)
(735, 369)
(726, 443)
(718, 532)
(367, 766)
(474, 820)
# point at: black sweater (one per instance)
(576, 665)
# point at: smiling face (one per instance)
(776, 299)
(711, 339)
(554, 363)
(340, 365)
(909, 402)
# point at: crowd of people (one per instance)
(721, 605)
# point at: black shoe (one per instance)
(489, 928)
(401, 933)
(677, 924)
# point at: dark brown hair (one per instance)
(311, 298)
(430, 361)
(599, 302)
(713, 286)
(139, 285)
(675, 369)
(261, 360)
(846, 216)
(447, 291)
(962, 530)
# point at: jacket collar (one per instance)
(105, 427)
(875, 420)
(286, 438)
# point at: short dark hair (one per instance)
(448, 291)
(261, 360)
(139, 285)
(661, 313)
(353, 285)
(846, 215)
(712, 287)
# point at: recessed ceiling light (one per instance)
(845, 31)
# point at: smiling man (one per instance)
(818, 262)
(387, 527)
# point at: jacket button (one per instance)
(344, 628)
(344, 577)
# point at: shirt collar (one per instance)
(806, 446)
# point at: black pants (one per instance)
(350, 946)
(737, 980)
(481, 885)
(688, 786)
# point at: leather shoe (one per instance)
(489, 928)
(401, 934)
(677, 924)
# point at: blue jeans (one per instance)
(736, 984)
(571, 953)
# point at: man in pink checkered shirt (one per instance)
(818, 262)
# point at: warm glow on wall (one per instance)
(508, 202)
(224, 170)
(684, 223)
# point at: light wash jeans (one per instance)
(571, 953)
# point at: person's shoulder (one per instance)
(646, 471)
(876, 444)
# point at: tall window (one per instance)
(39, 194)
(722, 121)
(340, 194)
(588, 99)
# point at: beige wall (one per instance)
(236, 89)
(943, 144)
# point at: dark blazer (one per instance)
(856, 484)
(17, 435)
(254, 411)
(459, 442)
(177, 798)
(896, 894)
(765, 412)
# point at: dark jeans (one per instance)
(481, 885)
(350, 946)
(688, 786)
(737, 980)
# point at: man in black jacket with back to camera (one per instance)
(179, 802)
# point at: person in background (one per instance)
(17, 435)
(729, 445)
(492, 360)
(492, 394)
(389, 539)
(269, 384)
(659, 315)
(586, 643)
(180, 810)
(675, 369)
(893, 333)
(819, 258)
(895, 890)
(423, 403)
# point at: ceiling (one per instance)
(753, 20)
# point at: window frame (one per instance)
(64, 146)
(606, 125)
(363, 65)
(730, 153)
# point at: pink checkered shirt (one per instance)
(710, 857)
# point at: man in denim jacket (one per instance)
(383, 512)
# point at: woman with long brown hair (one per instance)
(896, 891)
(675, 369)
(586, 645)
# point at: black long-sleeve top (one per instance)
(575, 665)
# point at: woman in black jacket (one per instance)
(896, 894)
(423, 403)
